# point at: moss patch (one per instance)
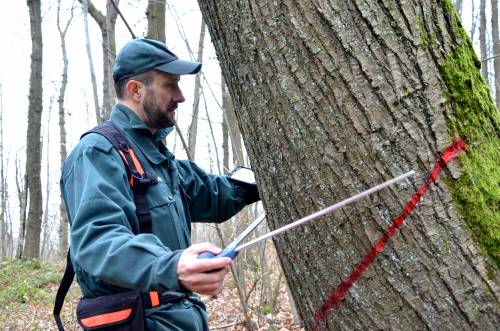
(475, 119)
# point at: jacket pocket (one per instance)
(115, 312)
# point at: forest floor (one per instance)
(27, 291)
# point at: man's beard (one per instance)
(155, 117)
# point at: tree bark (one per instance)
(33, 142)
(334, 97)
(63, 219)
(483, 46)
(155, 14)
(495, 36)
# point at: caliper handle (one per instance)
(228, 252)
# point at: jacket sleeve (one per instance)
(212, 197)
(101, 210)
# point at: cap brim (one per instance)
(180, 67)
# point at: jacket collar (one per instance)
(132, 125)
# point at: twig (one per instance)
(230, 325)
(490, 58)
(123, 19)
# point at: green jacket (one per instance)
(108, 254)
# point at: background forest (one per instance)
(55, 84)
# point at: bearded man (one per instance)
(110, 254)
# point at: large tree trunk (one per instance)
(495, 36)
(33, 142)
(336, 96)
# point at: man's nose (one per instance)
(179, 97)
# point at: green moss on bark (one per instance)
(474, 118)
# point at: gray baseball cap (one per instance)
(141, 55)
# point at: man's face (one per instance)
(160, 101)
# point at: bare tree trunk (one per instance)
(45, 218)
(473, 19)
(212, 134)
(458, 6)
(495, 36)
(93, 80)
(232, 123)
(107, 26)
(3, 188)
(225, 142)
(108, 57)
(335, 96)
(155, 14)
(9, 236)
(63, 219)
(193, 127)
(33, 150)
(483, 46)
(22, 193)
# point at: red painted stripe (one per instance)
(448, 154)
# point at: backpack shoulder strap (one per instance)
(69, 275)
(139, 180)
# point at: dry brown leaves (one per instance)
(224, 310)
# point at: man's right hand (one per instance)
(203, 276)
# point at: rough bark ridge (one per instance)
(33, 143)
(336, 96)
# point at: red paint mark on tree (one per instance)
(448, 154)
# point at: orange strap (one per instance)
(123, 157)
(136, 162)
(108, 318)
(155, 299)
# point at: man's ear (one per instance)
(134, 89)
